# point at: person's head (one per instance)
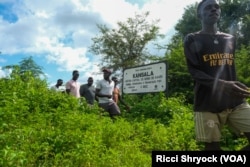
(115, 79)
(106, 73)
(75, 75)
(90, 81)
(59, 82)
(208, 11)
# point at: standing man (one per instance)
(219, 97)
(57, 85)
(73, 86)
(88, 91)
(116, 94)
(104, 91)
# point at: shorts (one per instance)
(111, 108)
(208, 125)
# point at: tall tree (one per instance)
(235, 19)
(242, 66)
(188, 23)
(179, 80)
(27, 65)
(125, 46)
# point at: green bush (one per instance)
(39, 127)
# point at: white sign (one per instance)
(145, 79)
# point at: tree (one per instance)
(242, 66)
(125, 46)
(188, 23)
(235, 19)
(27, 65)
(179, 80)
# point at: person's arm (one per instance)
(96, 98)
(98, 91)
(194, 65)
(123, 102)
(67, 87)
(81, 90)
(98, 94)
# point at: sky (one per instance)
(58, 33)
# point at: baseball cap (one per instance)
(106, 70)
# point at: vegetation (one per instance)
(27, 65)
(40, 127)
(126, 46)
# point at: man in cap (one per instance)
(104, 92)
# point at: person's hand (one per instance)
(109, 96)
(235, 88)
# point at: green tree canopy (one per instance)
(27, 65)
(179, 80)
(125, 46)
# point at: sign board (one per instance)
(145, 79)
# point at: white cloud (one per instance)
(2, 73)
(165, 10)
(62, 29)
(114, 10)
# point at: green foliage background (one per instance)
(39, 127)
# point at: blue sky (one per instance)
(57, 33)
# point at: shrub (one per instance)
(39, 127)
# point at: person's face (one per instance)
(76, 76)
(209, 12)
(106, 75)
(115, 81)
(60, 83)
(90, 82)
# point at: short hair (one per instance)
(113, 78)
(199, 7)
(59, 80)
(90, 78)
(75, 71)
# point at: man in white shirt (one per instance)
(56, 87)
(104, 92)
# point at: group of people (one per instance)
(106, 92)
(219, 99)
